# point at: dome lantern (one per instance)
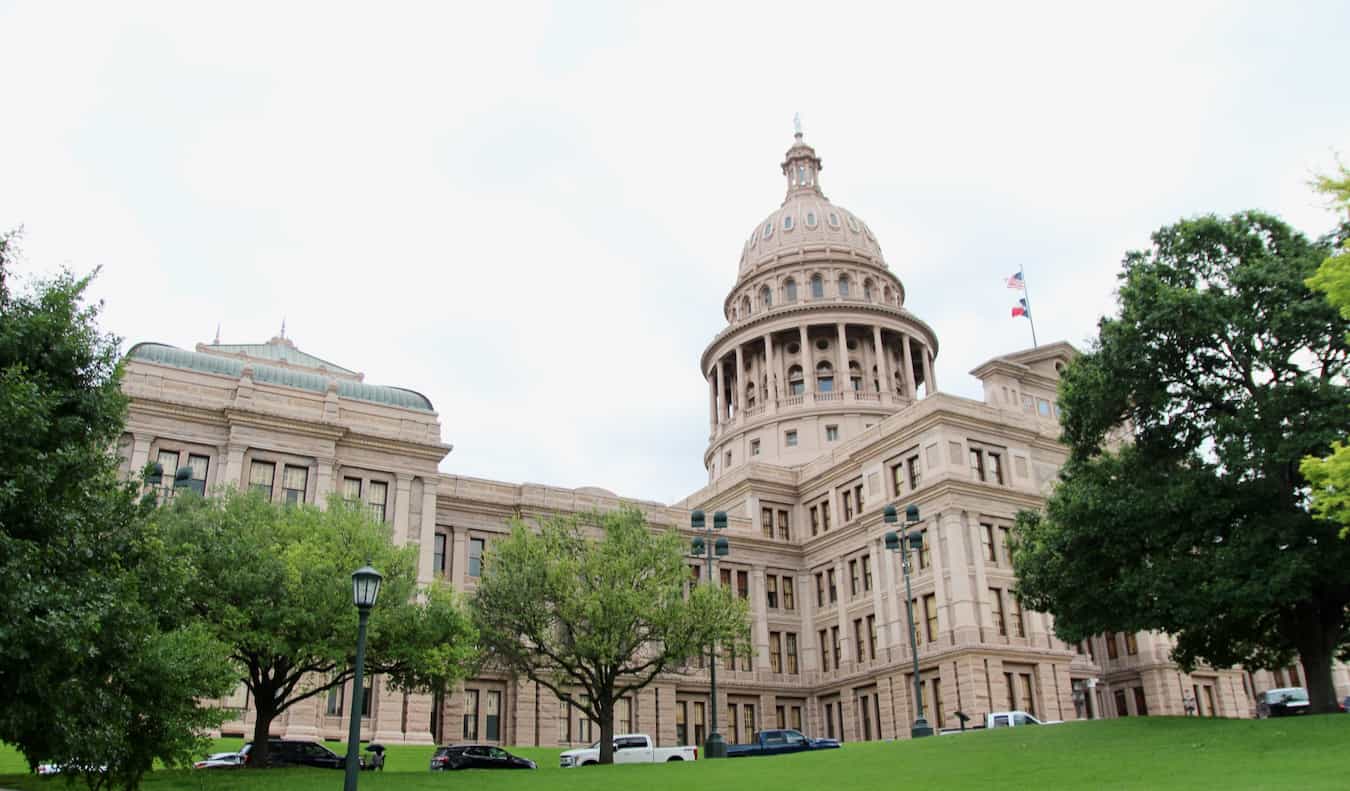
(801, 166)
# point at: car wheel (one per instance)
(589, 763)
(672, 759)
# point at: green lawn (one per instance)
(1151, 753)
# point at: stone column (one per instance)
(807, 659)
(140, 453)
(403, 495)
(738, 385)
(962, 602)
(841, 615)
(758, 606)
(388, 713)
(323, 481)
(878, 556)
(427, 554)
(841, 378)
(892, 635)
(234, 465)
(721, 394)
(883, 360)
(930, 382)
(712, 403)
(908, 361)
(808, 363)
(459, 560)
(770, 376)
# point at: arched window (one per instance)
(768, 229)
(810, 219)
(824, 377)
(766, 296)
(745, 307)
(868, 288)
(852, 224)
(796, 384)
(886, 295)
(855, 376)
(750, 395)
(790, 290)
(843, 285)
(817, 287)
(787, 222)
(834, 220)
(876, 380)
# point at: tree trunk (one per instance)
(605, 708)
(258, 753)
(1316, 641)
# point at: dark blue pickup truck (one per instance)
(779, 742)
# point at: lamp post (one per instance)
(365, 589)
(895, 543)
(706, 545)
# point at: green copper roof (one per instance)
(164, 354)
(280, 351)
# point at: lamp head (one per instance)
(365, 587)
(721, 547)
(911, 513)
(182, 476)
(697, 546)
(696, 519)
(892, 540)
(156, 475)
(719, 520)
(916, 540)
(888, 515)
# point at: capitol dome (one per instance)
(807, 219)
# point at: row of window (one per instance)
(864, 643)
(490, 715)
(816, 290)
(440, 557)
(766, 515)
(1009, 618)
(778, 643)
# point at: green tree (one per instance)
(273, 582)
(1181, 507)
(1330, 476)
(101, 665)
(599, 605)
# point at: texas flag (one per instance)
(1021, 309)
(1016, 282)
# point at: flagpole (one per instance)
(1026, 294)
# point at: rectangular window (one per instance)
(743, 584)
(820, 589)
(848, 505)
(791, 652)
(898, 479)
(784, 532)
(294, 481)
(915, 473)
(976, 464)
(831, 433)
(829, 721)
(1141, 705)
(681, 723)
(351, 490)
(624, 720)
(829, 579)
(795, 718)
(748, 715)
(780, 717)
(476, 547)
(853, 577)
(999, 622)
(367, 698)
(1131, 643)
(1004, 535)
(1019, 626)
(930, 615)
(492, 720)
(824, 651)
(1012, 691)
(788, 602)
(728, 464)
(987, 539)
(834, 643)
(996, 468)
(858, 497)
(771, 591)
(733, 723)
(815, 520)
(754, 447)
(872, 636)
(866, 561)
(1028, 696)
(377, 497)
(438, 555)
(1121, 709)
(918, 633)
(925, 554)
(197, 479)
(1043, 407)
(700, 722)
(471, 715)
(937, 703)
(260, 475)
(1112, 650)
(766, 522)
(335, 701)
(790, 439)
(825, 516)
(776, 652)
(565, 711)
(858, 644)
(168, 462)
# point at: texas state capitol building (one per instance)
(822, 408)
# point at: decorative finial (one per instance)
(283, 328)
(797, 125)
(216, 342)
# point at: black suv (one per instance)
(477, 756)
(291, 752)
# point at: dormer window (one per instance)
(787, 222)
(843, 285)
(834, 220)
(766, 296)
(768, 229)
(852, 224)
(810, 219)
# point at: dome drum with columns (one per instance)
(819, 346)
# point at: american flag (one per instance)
(1017, 282)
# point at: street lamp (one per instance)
(365, 589)
(707, 546)
(895, 542)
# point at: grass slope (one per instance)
(1139, 753)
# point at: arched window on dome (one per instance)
(802, 178)
(824, 377)
(886, 295)
(855, 376)
(876, 380)
(768, 229)
(750, 395)
(834, 220)
(745, 307)
(868, 288)
(790, 290)
(766, 297)
(852, 224)
(787, 222)
(817, 287)
(810, 219)
(796, 384)
(843, 285)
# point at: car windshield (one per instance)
(1299, 695)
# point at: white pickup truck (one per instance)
(1013, 719)
(630, 748)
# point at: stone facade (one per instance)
(823, 408)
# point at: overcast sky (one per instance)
(532, 212)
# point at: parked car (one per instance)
(477, 756)
(52, 768)
(1013, 719)
(233, 760)
(629, 748)
(295, 752)
(777, 742)
(1282, 702)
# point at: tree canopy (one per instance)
(595, 608)
(273, 582)
(1182, 507)
(102, 665)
